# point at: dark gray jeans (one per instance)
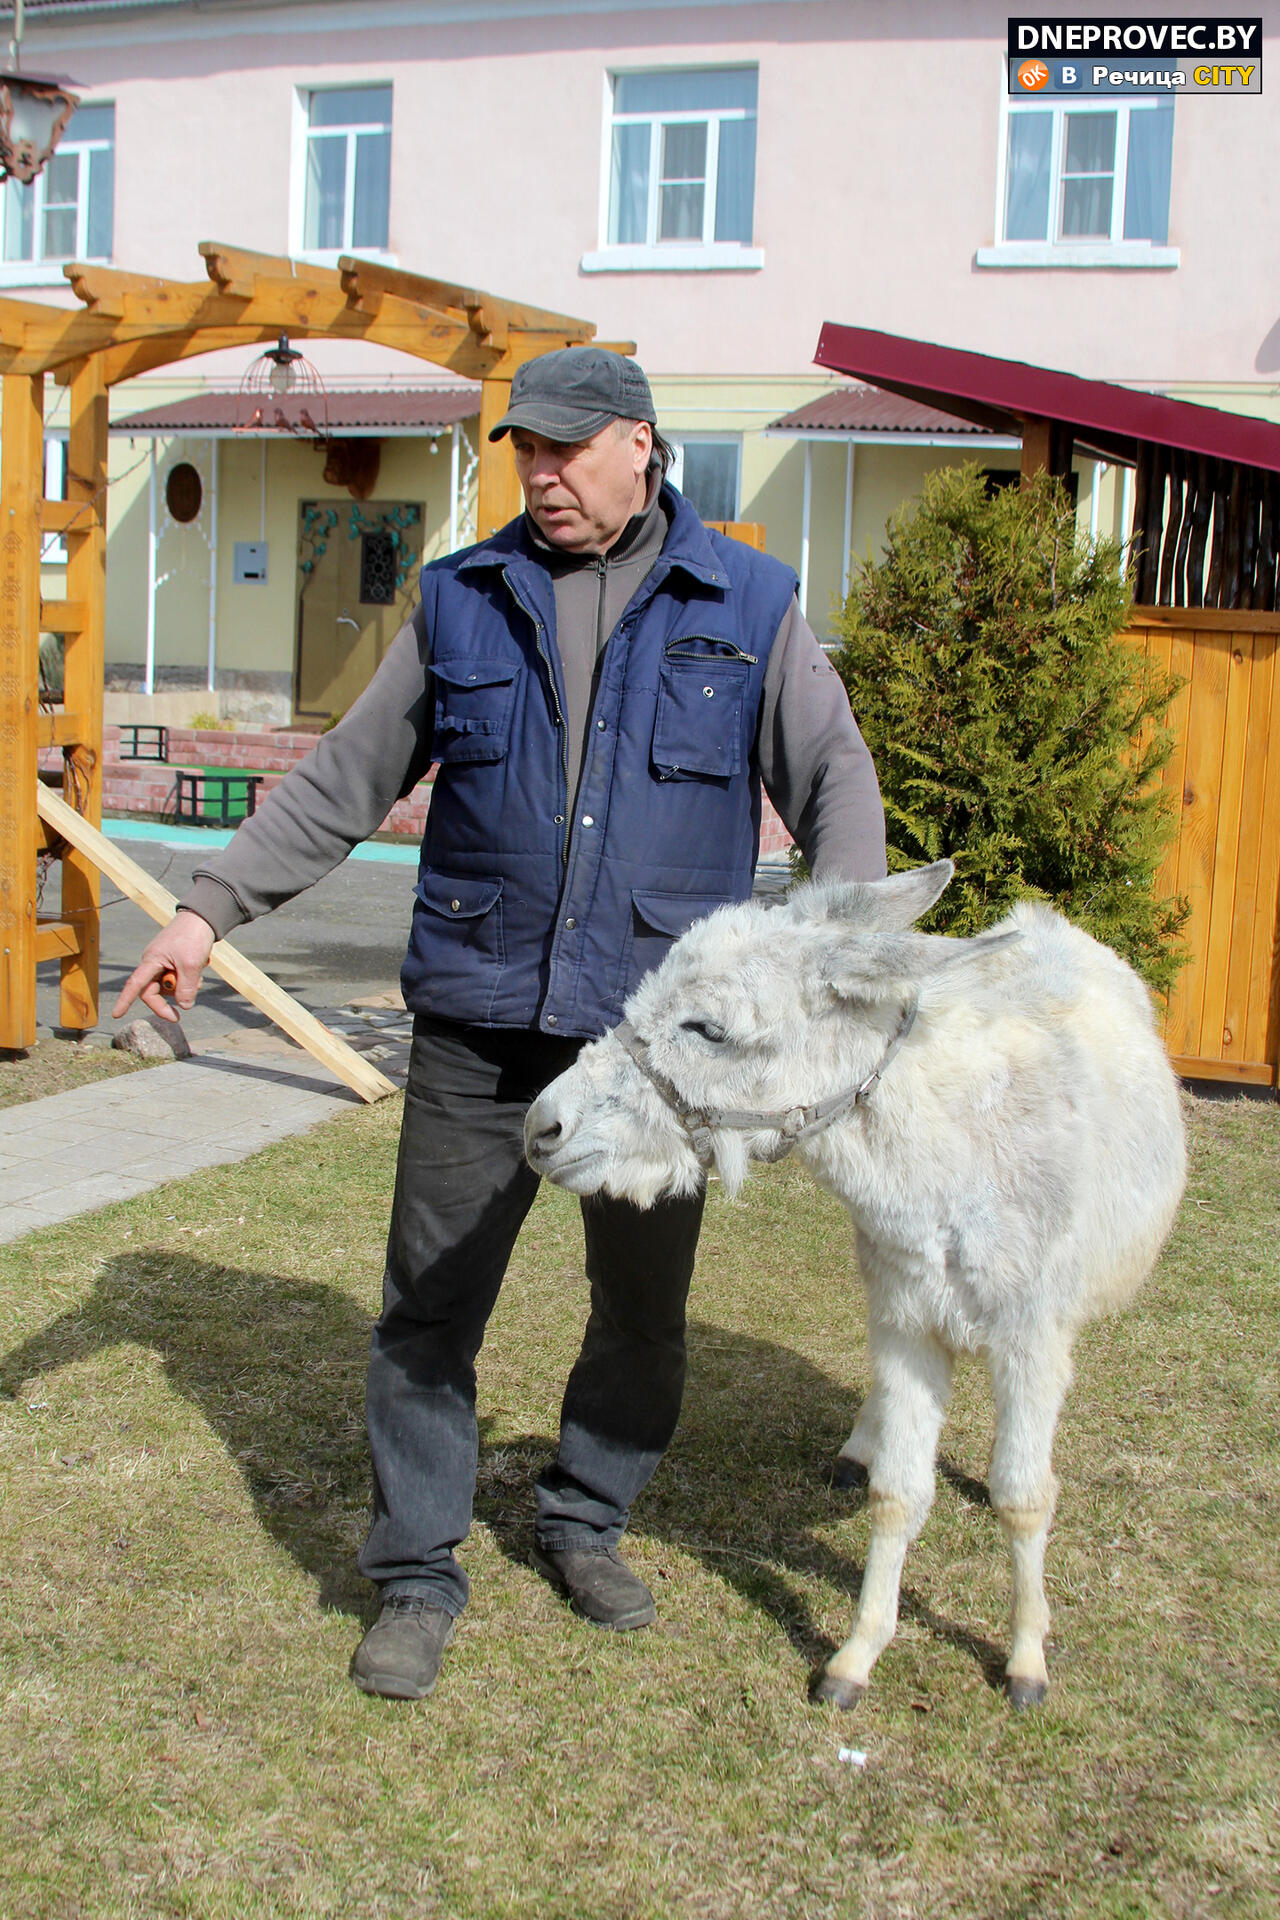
(463, 1187)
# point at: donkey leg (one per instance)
(1029, 1388)
(911, 1384)
(853, 1462)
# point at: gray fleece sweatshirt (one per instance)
(813, 761)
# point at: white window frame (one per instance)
(45, 270)
(668, 256)
(299, 155)
(53, 548)
(679, 441)
(1115, 251)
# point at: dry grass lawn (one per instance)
(182, 1489)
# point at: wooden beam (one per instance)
(341, 1060)
(57, 940)
(62, 729)
(68, 516)
(235, 269)
(104, 288)
(21, 488)
(62, 616)
(82, 683)
(484, 311)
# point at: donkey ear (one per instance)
(882, 966)
(874, 906)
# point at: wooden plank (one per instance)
(63, 616)
(1249, 1073)
(294, 1019)
(750, 532)
(1207, 619)
(1221, 1034)
(67, 516)
(498, 489)
(1251, 933)
(1264, 989)
(21, 488)
(1206, 719)
(57, 939)
(364, 277)
(1173, 650)
(62, 729)
(82, 684)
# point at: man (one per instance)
(603, 685)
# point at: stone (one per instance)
(151, 1041)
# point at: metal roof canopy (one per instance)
(873, 415)
(1005, 394)
(396, 413)
(1197, 467)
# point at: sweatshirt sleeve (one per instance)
(814, 762)
(329, 802)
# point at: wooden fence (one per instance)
(1223, 1018)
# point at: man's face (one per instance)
(581, 493)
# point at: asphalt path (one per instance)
(341, 940)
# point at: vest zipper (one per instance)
(684, 649)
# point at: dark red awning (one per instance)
(1001, 394)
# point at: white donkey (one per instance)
(999, 1118)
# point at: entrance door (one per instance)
(358, 564)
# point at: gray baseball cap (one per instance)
(571, 394)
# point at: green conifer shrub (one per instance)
(1012, 728)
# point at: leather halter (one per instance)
(794, 1125)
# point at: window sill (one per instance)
(330, 256)
(675, 257)
(37, 273)
(1088, 253)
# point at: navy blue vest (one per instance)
(523, 916)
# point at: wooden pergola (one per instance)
(127, 324)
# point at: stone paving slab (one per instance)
(94, 1145)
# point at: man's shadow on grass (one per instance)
(275, 1366)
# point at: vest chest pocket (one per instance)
(474, 702)
(697, 727)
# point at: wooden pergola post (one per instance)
(86, 538)
(21, 838)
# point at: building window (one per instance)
(347, 203)
(1086, 185)
(707, 474)
(681, 169)
(66, 212)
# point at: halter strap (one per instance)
(794, 1126)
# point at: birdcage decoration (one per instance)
(282, 392)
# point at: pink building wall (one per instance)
(878, 131)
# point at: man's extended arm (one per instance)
(814, 763)
(336, 797)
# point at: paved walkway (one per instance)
(94, 1145)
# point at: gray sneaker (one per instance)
(400, 1655)
(598, 1585)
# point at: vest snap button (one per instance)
(455, 904)
(587, 820)
(571, 924)
(559, 820)
(552, 1021)
(709, 693)
(600, 726)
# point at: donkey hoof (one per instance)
(832, 1691)
(848, 1474)
(1022, 1694)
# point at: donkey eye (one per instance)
(705, 1029)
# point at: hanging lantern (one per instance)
(283, 393)
(34, 111)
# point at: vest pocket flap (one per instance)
(457, 897)
(673, 913)
(475, 673)
(474, 700)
